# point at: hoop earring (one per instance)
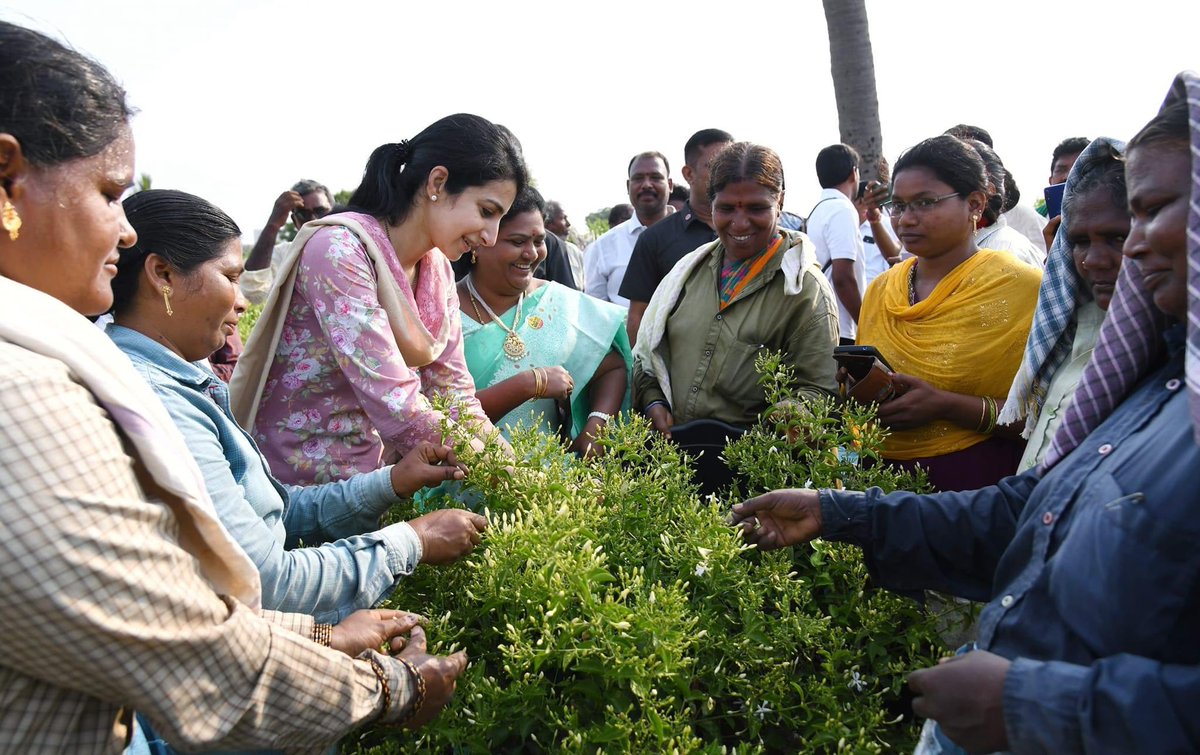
(166, 292)
(10, 220)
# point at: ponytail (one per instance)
(473, 150)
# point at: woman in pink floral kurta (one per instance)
(339, 393)
(362, 328)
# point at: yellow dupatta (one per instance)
(968, 337)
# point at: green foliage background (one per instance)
(613, 610)
(247, 321)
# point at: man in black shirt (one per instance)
(666, 242)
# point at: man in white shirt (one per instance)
(604, 264)
(307, 200)
(833, 226)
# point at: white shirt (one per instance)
(605, 261)
(575, 257)
(833, 228)
(1000, 237)
(256, 284)
(1027, 222)
(876, 263)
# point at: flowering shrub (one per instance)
(611, 609)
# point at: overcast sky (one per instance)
(240, 98)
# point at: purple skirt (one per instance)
(979, 466)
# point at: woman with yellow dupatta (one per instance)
(951, 321)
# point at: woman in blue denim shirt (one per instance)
(1089, 561)
(318, 549)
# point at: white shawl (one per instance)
(42, 324)
(650, 352)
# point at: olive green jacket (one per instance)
(711, 352)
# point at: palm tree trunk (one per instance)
(853, 68)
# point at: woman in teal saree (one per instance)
(533, 345)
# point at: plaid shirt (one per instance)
(103, 613)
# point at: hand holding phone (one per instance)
(869, 373)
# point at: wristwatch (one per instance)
(600, 415)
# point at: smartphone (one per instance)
(874, 192)
(870, 376)
(1054, 196)
(858, 359)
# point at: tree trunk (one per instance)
(853, 67)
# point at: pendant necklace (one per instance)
(514, 346)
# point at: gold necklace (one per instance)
(514, 346)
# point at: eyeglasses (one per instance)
(918, 206)
(303, 214)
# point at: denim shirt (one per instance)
(1092, 576)
(286, 530)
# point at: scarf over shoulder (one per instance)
(1063, 292)
(651, 349)
(96, 362)
(966, 337)
(1131, 337)
(417, 345)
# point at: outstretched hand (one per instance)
(965, 695)
(369, 629)
(426, 465)
(779, 518)
(440, 673)
(448, 534)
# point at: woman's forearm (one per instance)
(606, 391)
(976, 413)
(500, 399)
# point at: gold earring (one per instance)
(166, 292)
(474, 259)
(10, 220)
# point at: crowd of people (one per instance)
(193, 550)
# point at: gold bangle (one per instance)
(322, 634)
(983, 410)
(539, 383)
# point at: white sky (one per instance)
(240, 98)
